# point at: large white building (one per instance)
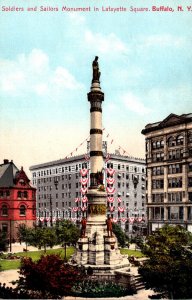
(62, 184)
(169, 171)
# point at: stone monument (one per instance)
(97, 248)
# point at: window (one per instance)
(175, 182)
(4, 210)
(22, 210)
(190, 167)
(175, 154)
(157, 197)
(173, 169)
(190, 182)
(175, 197)
(190, 196)
(159, 156)
(110, 165)
(158, 184)
(19, 194)
(171, 142)
(179, 140)
(190, 137)
(25, 194)
(158, 171)
(4, 228)
(157, 144)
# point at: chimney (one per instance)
(6, 161)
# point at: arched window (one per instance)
(180, 139)
(22, 210)
(162, 143)
(4, 210)
(154, 145)
(171, 141)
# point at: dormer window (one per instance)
(22, 182)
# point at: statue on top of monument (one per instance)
(96, 73)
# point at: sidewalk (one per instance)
(17, 247)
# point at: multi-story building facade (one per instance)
(62, 184)
(17, 200)
(169, 171)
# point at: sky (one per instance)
(145, 60)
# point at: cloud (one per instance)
(175, 99)
(164, 40)
(133, 103)
(104, 44)
(32, 74)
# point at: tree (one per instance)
(44, 237)
(25, 234)
(120, 234)
(67, 233)
(169, 268)
(49, 275)
(3, 241)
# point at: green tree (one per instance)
(67, 233)
(169, 268)
(44, 237)
(3, 241)
(120, 234)
(25, 234)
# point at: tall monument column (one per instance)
(95, 97)
(97, 248)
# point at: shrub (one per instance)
(93, 289)
(49, 274)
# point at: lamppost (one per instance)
(51, 211)
(10, 235)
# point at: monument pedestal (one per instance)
(98, 250)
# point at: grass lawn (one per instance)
(135, 253)
(35, 255)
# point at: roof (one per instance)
(10, 174)
(81, 157)
(169, 121)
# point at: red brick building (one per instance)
(17, 200)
